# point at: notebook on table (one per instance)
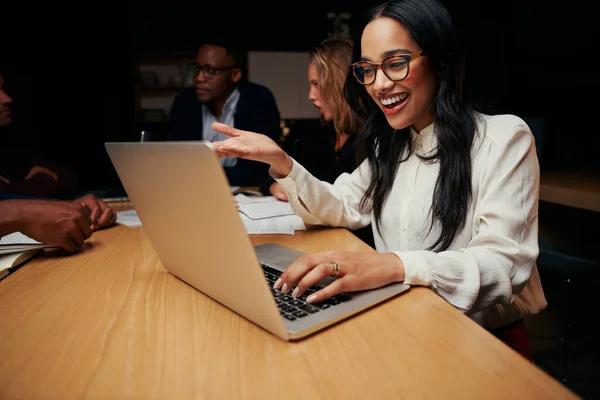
(15, 250)
(182, 197)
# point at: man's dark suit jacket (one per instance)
(256, 111)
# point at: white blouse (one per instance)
(489, 270)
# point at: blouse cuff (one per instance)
(416, 271)
(296, 171)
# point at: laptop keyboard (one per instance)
(296, 308)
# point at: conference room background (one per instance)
(69, 68)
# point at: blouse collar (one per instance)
(423, 141)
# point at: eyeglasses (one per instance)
(395, 68)
(209, 71)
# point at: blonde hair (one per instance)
(332, 58)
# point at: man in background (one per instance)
(66, 224)
(22, 170)
(222, 93)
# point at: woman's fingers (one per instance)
(226, 129)
(293, 273)
(299, 268)
(332, 289)
(312, 278)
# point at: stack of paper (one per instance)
(267, 215)
(17, 242)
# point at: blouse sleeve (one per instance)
(498, 261)
(321, 203)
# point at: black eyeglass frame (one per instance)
(214, 71)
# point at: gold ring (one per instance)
(336, 269)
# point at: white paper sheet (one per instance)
(268, 226)
(17, 242)
(17, 238)
(283, 224)
(129, 218)
(266, 209)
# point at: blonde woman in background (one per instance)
(329, 151)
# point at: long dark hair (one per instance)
(430, 25)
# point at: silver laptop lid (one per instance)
(183, 199)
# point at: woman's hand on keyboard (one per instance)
(357, 271)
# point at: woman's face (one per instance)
(408, 101)
(314, 93)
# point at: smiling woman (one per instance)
(451, 192)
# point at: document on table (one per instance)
(281, 221)
(265, 209)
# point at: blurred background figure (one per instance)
(327, 150)
(23, 170)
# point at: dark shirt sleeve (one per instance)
(40, 186)
(16, 196)
(16, 162)
(183, 117)
(176, 116)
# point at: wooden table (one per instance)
(112, 323)
(571, 189)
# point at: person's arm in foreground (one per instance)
(59, 223)
(66, 224)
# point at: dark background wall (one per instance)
(69, 67)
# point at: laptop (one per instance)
(184, 202)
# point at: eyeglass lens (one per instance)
(395, 68)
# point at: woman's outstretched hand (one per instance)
(252, 146)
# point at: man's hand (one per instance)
(65, 224)
(102, 216)
(36, 169)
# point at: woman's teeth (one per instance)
(392, 101)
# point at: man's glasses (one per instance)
(209, 71)
(395, 68)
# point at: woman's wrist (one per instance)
(284, 165)
(398, 273)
